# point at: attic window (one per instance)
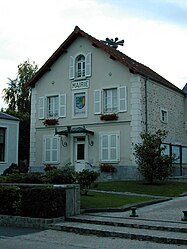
(80, 66)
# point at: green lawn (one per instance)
(100, 200)
(103, 200)
(167, 189)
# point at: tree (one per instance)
(153, 164)
(17, 96)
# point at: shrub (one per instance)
(34, 177)
(57, 176)
(14, 168)
(152, 163)
(10, 200)
(86, 178)
(43, 202)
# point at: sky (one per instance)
(154, 31)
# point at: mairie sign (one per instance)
(80, 84)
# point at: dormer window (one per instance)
(80, 66)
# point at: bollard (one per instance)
(133, 209)
(185, 216)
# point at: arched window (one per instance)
(80, 66)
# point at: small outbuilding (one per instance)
(9, 138)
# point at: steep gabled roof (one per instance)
(134, 66)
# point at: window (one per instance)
(163, 115)
(109, 147)
(80, 104)
(51, 149)
(110, 100)
(52, 106)
(2, 144)
(80, 66)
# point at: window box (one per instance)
(107, 168)
(51, 122)
(108, 117)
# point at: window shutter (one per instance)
(46, 151)
(88, 67)
(41, 108)
(62, 105)
(110, 147)
(104, 147)
(122, 99)
(71, 68)
(51, 149)
(97, 101)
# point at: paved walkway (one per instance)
(166, 211)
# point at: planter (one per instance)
(108, 117)
(50, 122)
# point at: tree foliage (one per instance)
(16, 95)
(153, 164)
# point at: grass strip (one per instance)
(104, 200)
(168, 188)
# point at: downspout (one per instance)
(146, 107)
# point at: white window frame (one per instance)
(55, 106)
(51, 149)
(163, 115)
(80, 66)
(109, 147)
(43, 110)
(86, 66)
(79, 115)
(99, 101)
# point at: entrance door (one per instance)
(79, 153)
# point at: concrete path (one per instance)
(160, 223)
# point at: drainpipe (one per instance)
(146, 109)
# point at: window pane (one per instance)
(54, 146)
(113, 140)
(110, 100)
(184, 155)
(48, 143)
(52, 106)
(176, 153)
(54, 156)
(105, 155)
(47, 156)
(105, 141)
(113, 155)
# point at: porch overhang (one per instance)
(73, 130)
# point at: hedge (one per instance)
(38, 202)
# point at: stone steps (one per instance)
(157, 231)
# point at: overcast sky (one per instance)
(155, 32)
